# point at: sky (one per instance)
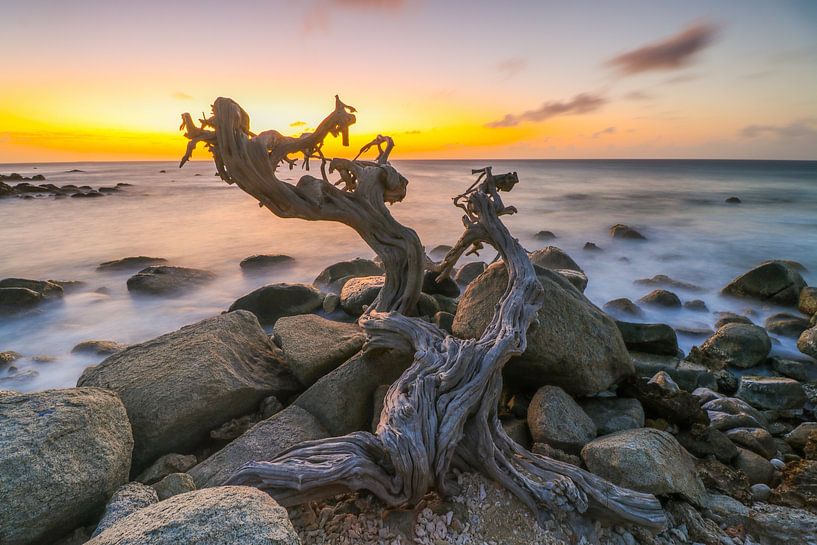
(106, 80)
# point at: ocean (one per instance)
(193, 219)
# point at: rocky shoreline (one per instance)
(725, 435)
(24, 190)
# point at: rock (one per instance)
(517, 429)
(331, 303)
(264, 262)
(439, 251)
(667, 281)
(691, 526)
(646, 365)
(444, 320)
(551, 257)
(342, 400)
(702, 441)
(544, 235)
(134, 263)
(732, 200)
(378, 398)
(554, 418)
(679, 408)
(45, 288)
(612, 414)
(730, 318)
(360, 292)
(127, 499)
(799, 486)
(446, 287)
(661, 298)
(165, 465)
(798, 436)
(787, 325)
(275, 301)
(469, 272)
(807, 302)
(756, 467)
(9, 356)
(757, 440)
(98, 348)
(739, 345)
(225, 515)
(760, 492)
(165, 280)
(263, 441)
(622, 307)
(179, 386)
(665, 382)
(173, 485)
(722, 478)
(776, 525)
(650, 338)
(772, 281)
(697, 305)
(798, 370)
(552, 452)
(777, 462)
(646, 460)
(705, 395)
(625, 232)
(333, 277)
(577, 347)
(736, 407)
(62, 454)
(314, 346)
(233, 429)
(807, 343)
(725, 510)
(577, 279)
(771, 392)
(590, 247)
(15, 299)
(428, 306)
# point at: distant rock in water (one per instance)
(275, 301)
(590, 247)
(551, 257)
(17, 294)
(544, 235)
(74, 170)
(130, 263)
(14, 177)
(622, 306)
(98, 348)
(625, 232)
(661, 298)
(664, 280)
(164, 280)
(333, 276)
(264, 261)
(733, 200)
(774, 281)
(469, 272)
(439, 251)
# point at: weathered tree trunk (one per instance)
(442, 412)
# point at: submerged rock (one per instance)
(278, 300)
(544, 235)
(132, 263)
(265, 262)
(664, 280)
(661, 298)
(164, 280)
(17, 299)
(625, 232)
(623, 307)
(554, 418)
(773, 281)
(45, 288)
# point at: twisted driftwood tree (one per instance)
(442, 413)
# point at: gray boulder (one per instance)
(216, 516)
(275, 301)
(179, 386)
(314, 346)
(45, 288)
(647, 460)
(173, 485)
(612, 414)
(773, 281)
(807, 343)
(577, 346)
(757, 440)
(554, 418)
(164, 280)
(756, 468)
(18, 299)
(774, 525)
(650, 338)
(739, 345)
(798, 437)
(127, 499)
(98, 348)
(360, 292)
(469, 272)
(776, 393)
(62, 454)
(333, 277)
(622, 307)
(263, 441)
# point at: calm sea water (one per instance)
(193, 219)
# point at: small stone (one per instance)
(661, 298)
(756, 467)
(165, 465)
(807, 303)
(331, 303)
(733, 200)
(760, 492)
(173, 485)
(265, 262)
(807, 343)
(786, 325)
(590, 247)
(777, 463)
(665, 382)
(696, 304)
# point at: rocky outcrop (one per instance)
(275, 301)
(773, 281)
(62, 454)
(166, 281)
(179, 386)
(554, 418)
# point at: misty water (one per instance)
(193, 219)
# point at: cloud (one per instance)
(511, 66)
(297, 124)
(370, 4)
(178, 95)
(318, 14)
(638, 95)
(671, 53)
(795, 129)
(608, 130)
(583, 103)
(683, 78)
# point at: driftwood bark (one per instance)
(442, 412)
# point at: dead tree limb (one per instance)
(442, 411)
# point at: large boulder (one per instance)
(469, 272)
(575, 345)
(179, 386)
(650, 338)
(263, 441)
(62, 454)
(313, 345)
(165, 280)
(756, 468)
(773, 281)
(274, 301)
(551, 257)
(46, 288)
(757, 440)
(360, 292)
(333, 276)
(647, 460)
(807, 343)
(771, 392)
(739, 345)
(554, 418)
(215, 516)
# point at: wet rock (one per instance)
(665, 382)
(179, 386)
(164, 280)
(127, 499)
(739, 345)
(98, 348)
(775, 525)
(771, 392)
(696, 304)
(263, 441)
(756, 467)
(360, 292)
(269, 303)
(544, 235)
(798, 370)
(447, 286)
(590, 247)
(702, 441)
(787, 325)
(133, 263)
(612, 414)
(551, 257)
(646, 460)
(799, 486)
(314, 346)
(577, 279)
(661, 298)
(554, 418)
(757, 440)
(263, 262)
(732, 200)
(62, 454)
(333, 277)
(469, 272)
(650, 338)
(773, 281)
(760, 492)
(9, 356)
(798, 436)
(667, 281)
(217, 516)
(578, 347)
(807, 303)
(17, 299)
(622, 307)
(330, 303)
(173, 485)
(439, 251)
(621, 231)
(730, 318)
(723, 478)
(165, 465)
(679, 407)
(807, 343)
(45, 288)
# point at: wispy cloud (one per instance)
(682, 78)
(580, 104)
(178, 95)
(511, 66)
(670, 53)
(297, 124)
(608, 130)
(319, 14)
(795, 129)
(638, 95)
